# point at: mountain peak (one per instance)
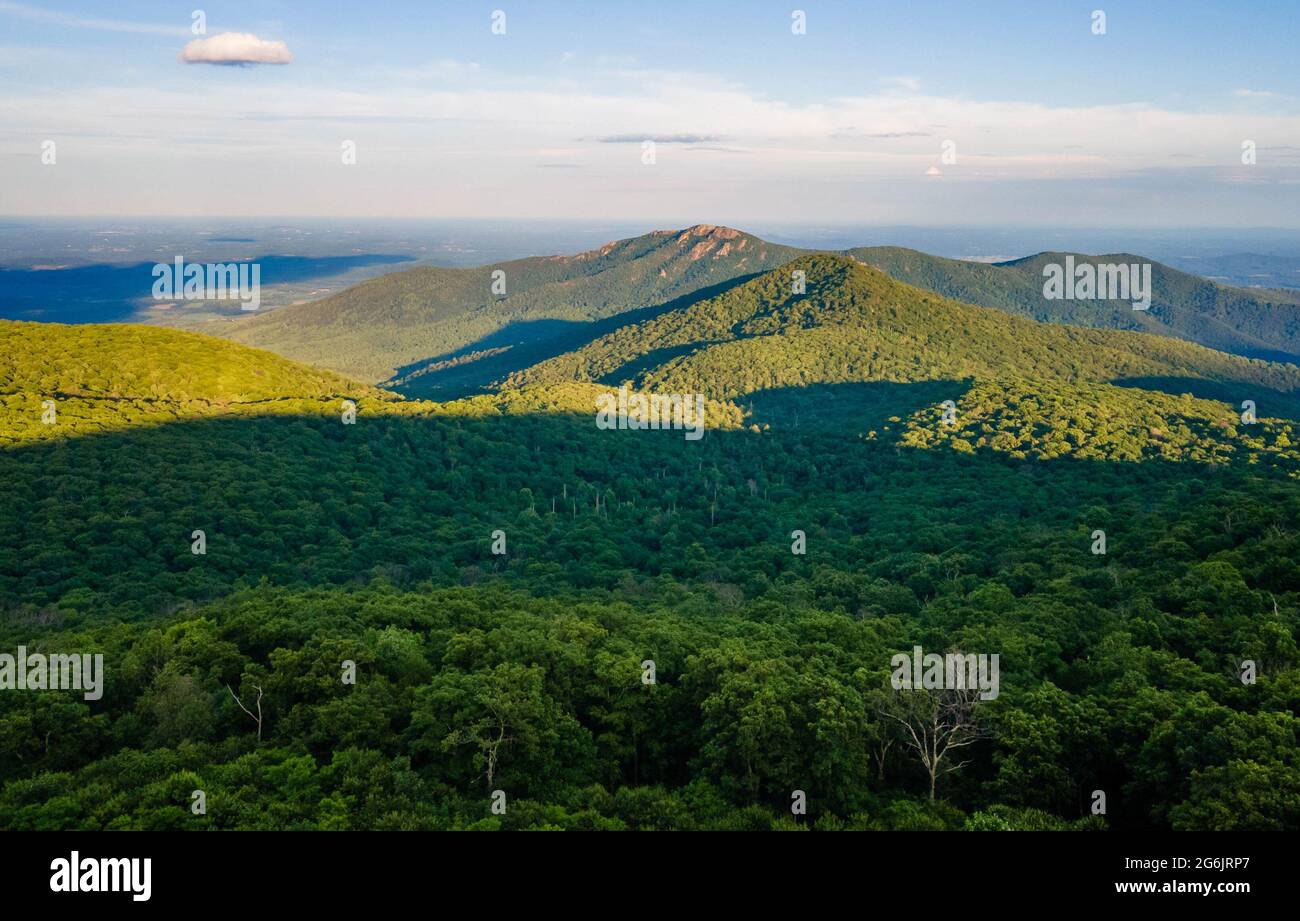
(702, 237)
(712, 240)
(712, 232)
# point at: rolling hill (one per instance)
(133, 361)
(426, 319)
(1035, 389)
(443, 333)
(855, 323)
(1259, 323)
(116, 376)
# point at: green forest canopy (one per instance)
(372, 543)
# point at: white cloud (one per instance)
(235, 48)
(1027, 140)
(449, 148)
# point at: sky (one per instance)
(946, 113)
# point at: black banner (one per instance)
(233, 870)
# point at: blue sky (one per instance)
(1045, 121)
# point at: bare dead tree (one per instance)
(882, 735)
(935, 724)
(255, 718)
(488, 740)
(507, 707)
(881, 744)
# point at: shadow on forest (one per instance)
(306, 500)
(523, 343)
(1270, 403)
(849, 408)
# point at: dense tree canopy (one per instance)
(648, 649)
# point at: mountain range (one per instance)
(453, 332)
(405, 327)
(764, 350)
(1110, 511)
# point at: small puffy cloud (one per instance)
(235, 48)
(934, 171)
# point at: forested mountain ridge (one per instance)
(445, 333)
(855, 323)
(407, 320)
(58, 380)
(1258, 323)
(146, 362)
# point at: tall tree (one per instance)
(936, 724)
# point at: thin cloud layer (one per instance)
(235, 48)
(660, 138)
(493, 137)
(35, 14)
